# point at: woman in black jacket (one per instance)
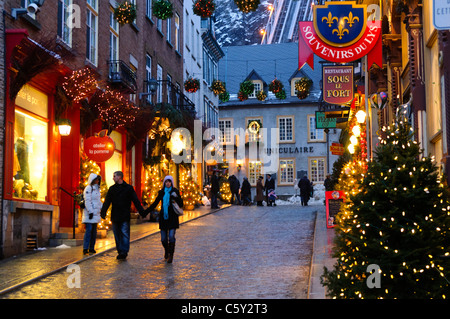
(168, 219)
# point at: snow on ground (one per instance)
(317, 199)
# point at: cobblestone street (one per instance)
(239, 252)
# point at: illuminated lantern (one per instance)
(360, 116)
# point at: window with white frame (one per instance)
(286, 128)
(159, 77)
(254, 171)
(113, 38)
(169, 29)
(317, 169)
(148, 9)
(148, 75)
(92, 31)
(287, 169)
(226, 127)
(64, 30)
(258, 87)
(315, 135)
(177, 33)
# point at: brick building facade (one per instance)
(79, 34)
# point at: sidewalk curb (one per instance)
(58, 269)
(312, 256)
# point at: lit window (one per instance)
(287, 168)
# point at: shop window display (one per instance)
(30, 157)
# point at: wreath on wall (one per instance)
(162, 9)
(204, 8)
(247, 5)
(254, 126)
(303, 86)
(276, 86)
(125, 13)
(191, 85)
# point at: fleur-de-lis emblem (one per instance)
(329, 19)
(340, 30)
(351, 19)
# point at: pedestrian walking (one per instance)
(305, 190)
(328, 183)
(269, 187)
(234, 186)
(215, 188)
(246, 192)
(91, 212)
(168, 219)
(259, 192)
(120, 195)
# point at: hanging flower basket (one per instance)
(162, 9)
(242, 96)
(303, 86)
(276, 86)
(204, 8)
(125, 13)
(218, 87)
(247, 5)
(191, 85)
(224, 97)
(281, 94)
(247, 87)
(261, 95)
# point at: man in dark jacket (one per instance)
(235, 185)
(305, 190)
(246, 192)
(120, 195)
(215, 188)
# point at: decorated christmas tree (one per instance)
(153, 185)
(225, 190)
(398, 222)
(189, 189)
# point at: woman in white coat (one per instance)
(91, 213)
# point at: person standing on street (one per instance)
(259, 192)
(246, 192)
(91, 212)
(120, 195)
(269, 186)
(215, 188)
(305, 190)
(168, 219)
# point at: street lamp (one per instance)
(152, 86)
(360, 116)
(64, 127)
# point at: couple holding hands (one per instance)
(120, 195)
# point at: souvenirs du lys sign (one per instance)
(340, 32)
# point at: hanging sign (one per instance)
(324, 122)
(100, 147)
(337, 84)
(340, 33)
(337, 149)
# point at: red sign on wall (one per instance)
(99, 148)
(333, 200)
(337, 84)
(340, 32)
